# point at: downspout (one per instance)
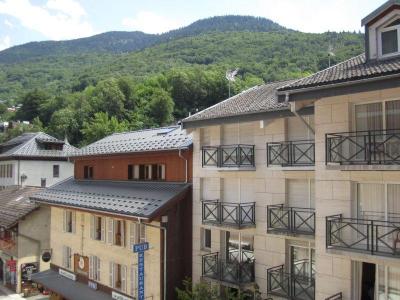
(165, 255)
(186, 164)
(18, 173)
(294, 111)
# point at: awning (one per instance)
(69, 289)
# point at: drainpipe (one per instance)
(165, 255)
(18, 173)
(186, 164)
(294, 111)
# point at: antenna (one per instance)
(330, 54)
(230, 76)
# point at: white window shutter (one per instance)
(69, 254)
(132, 234)
(143, 233)
(112, 275)
(98, 268)
(92, 227)
(133, 281)
(73, 222)
(123, 278)
(64, 251)
(91, 259)
(110, 231)
(122, 233)
(64, 220)
(103, 229)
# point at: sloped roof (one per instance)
(166, 138)
(381, 9)
(139, 199)
(15, 204)
(355, 68)
(261, 98)
(30, 145)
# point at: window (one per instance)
(116, 232)
(302, 261)
(301, 193)
(134, 272)
(88, 172)
(67, 257)
(43, 182)
(137, 233)
(97, 228)
(377, 115)
(94, 268)
(146, 172)
(389, 39)
(118, 276)
(6, 171)
(206, 238)
(69, 217)
(56, 171)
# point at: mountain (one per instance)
(262, 49)
(122, 41)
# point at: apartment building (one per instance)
(297, 184)
(34, 159)
(24, 239)
(129, 189)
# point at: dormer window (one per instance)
(389, 39)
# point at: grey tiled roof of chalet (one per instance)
(355, 68)
(261, 98)
(141, 199)
(29, 145)
(166, 138)
(15, 204)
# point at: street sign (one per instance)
(139, 249)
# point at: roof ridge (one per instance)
(143, 130)
(319, 72)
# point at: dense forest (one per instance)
(87, 88)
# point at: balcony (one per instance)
(231, 271)
(376, 147)
(375, 237)
(290, 285)
(290, 220)
(291, 154)
(237, 215)
(337, 296)
(228, 156)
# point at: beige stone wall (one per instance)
(82, 244)
(265, 186)
(334, 191)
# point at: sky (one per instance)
(23, 21)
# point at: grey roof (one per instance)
(15, 204)
(71, 290)
(31, 145)
(166, 138)
(379, 11)
(356, 68)
(140, 199)
(257, 99)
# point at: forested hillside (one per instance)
(68, 90)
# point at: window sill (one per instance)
(230, 169)
(363, 167)
(292, 168)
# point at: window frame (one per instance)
(380, 44)
(204, 246)
(88, 172)
(56, 171)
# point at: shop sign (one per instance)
(118, 296)
(28, 269)
(67, 274)
(92, 285)
(140, 249)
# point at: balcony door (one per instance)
(302, 261)
(238, 246)
(301, 193)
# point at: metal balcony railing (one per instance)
(375, 237)
(232, 271)
(374, 147)
(290, 220)
(291, 153)
(289, 286)
(337, 296)
(237, 215)
(228, 156)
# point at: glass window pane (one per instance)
(393, 114)
(394, 201)
(381, 283)
(369, 116)
(371, 201)
(389, 42)
(393, 283)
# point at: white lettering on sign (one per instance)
(66, 274)
(118, 296)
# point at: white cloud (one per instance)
(8, 23)
(151, 22)
(57, 19)
(5, 42)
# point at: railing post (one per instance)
(237, 153)
(219, 212)
(239, 215)
(369, 147)
(291, 154)
(253, 156)
(372, 237)
(327, 147)
(219, 157)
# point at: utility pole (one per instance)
(230, 76)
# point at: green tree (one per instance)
(63, 124)
(107, 97)
(100, 126)
(31, 103)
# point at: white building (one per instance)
(35, 159)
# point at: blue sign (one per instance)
(139, 249)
